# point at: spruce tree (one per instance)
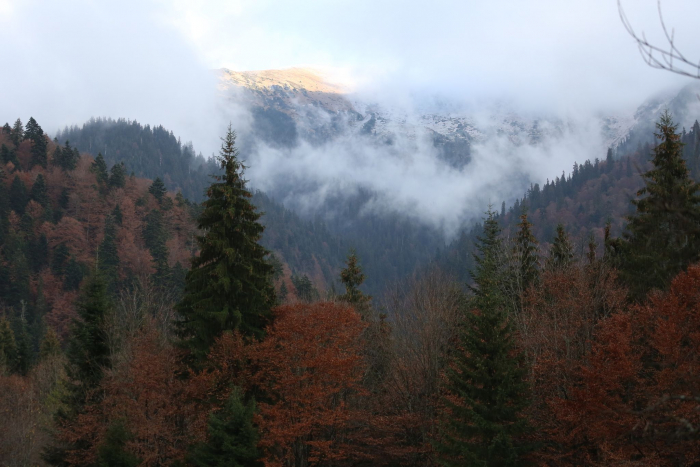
(18, 196)
(117, 215)
(66, 157)
(663, 235)
(35, 134)
(157, 189)
(484, 423)
(8, 346)
(232, 439)
(561, 254)
(74, 275)
(50, 345)
(99, 168)
(155, 236)
(117, 176)
(17, 132)
(113, 452)
(88, 349)
(61, 254)
(526, 248)
(352, 277)
(108, 255)
(229, 285)
(38, 192)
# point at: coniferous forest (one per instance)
(139, 327)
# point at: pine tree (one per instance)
(117, 177)
(306, 291)
(663, 235)
(59, 260)
(17, 132)
(155, 236)
(38, 192)
(108, 257)
(18, 196)
(66, 158)
(88, 349)
(561, 254)
(229, 286)
(352, 277)
(117, 215)
(8, 346)
(232, 439)
(157, 189)
(484, 422)
(99, 168)
(35, 134)
(50, 345)
(526, 254)
(74, 275)
(112, 452)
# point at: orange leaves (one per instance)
(163, 412)
(307, 373)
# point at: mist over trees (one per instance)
(139, 328)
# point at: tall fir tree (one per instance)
(526, 253)
(232, 438)
(99, 168)
(108, 255)
(38, 192)
(117, 176)
(157, 189)
(8, 347)
(230, 283)
(484, 421)
(352, 278)
(17, 135)
(36, 135)
(88, 355)
(561, 254)
(663, 235)
(18, 196)
(155, 236)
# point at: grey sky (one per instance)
(151, 60)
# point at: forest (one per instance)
(140, 325)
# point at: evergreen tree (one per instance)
(8, 346)
(59, 260)
(155, 236)
(99, 168)
(35, 134)
(38, 192)
(66, 157)
(112, 452)
(50, 345)
(88, 349)
(229, 286)
(74, 275)
(17, 132)
(484, 423)
(562, 252)
(526, 254)
(157, 189)
(306, 291)
(663, 235)
(352, 277)
(232, 439)
(117, 215)
(24, 344)
(108, 255)
(117, 177)
(9, 155)
(38, 253)
(18, 196)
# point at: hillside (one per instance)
(585, 200)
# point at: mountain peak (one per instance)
(293, 79)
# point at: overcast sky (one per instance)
(63, 62)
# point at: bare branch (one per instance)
(670, 59)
